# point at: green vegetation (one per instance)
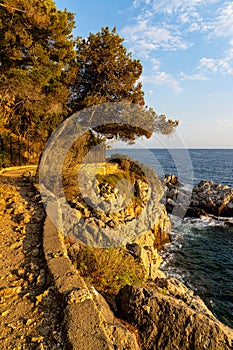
(136, 169)
(128, 170)
(106, 72)
(46, 74)
(113, 179)
(108, 269)
(36, 55)
(130, 166)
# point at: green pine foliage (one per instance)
(36, 50)
(106, 72)
(46, 74)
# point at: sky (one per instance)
(186, 49)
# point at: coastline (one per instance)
(151, 304)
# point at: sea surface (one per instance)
(201, 251)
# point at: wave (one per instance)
(201, 256)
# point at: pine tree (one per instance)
(36, 47)
(107, 74)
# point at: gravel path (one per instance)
(31, 312)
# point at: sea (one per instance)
(201, 251)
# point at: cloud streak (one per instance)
(197, 76)
(215, 66)
(162, 78)
(146, 37)
(162, 27)
(224, 21)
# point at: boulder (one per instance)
(171, 180)
(214, 199)
(168, 316)
(130, 215)
(145, 247)
(161, 228)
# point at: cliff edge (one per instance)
(156, 312)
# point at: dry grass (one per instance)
(108, 269)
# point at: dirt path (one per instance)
(30, 310)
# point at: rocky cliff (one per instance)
(160, 313)
(116, 205)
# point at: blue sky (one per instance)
(186, 49)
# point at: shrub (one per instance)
(113, 179)
(108, 269)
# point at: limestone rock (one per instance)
(145, 246)
(206, 197)
(166, 320)
(129, 213)
(162, 228)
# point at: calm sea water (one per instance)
(191, 165)
(201, 252)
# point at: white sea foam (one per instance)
(182, 229)
(204, 221)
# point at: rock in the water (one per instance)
(215, 199)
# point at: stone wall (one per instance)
(89, 322)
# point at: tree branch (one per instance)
(11, 7)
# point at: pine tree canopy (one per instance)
(36, 48)
(46, 75)
(106, 74)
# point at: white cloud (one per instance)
(162, 78)
(155, 63)
(214, 65)
(194, 27)
(229, 54)
(184, 18)
(175, 25)
(137, 3)
(168, 24)
(169, 6)
(208, 16)
(145, 14)
(224, 22)
(145, 38)
(197, 76)
(209, 64)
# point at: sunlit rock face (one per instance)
(169, 316)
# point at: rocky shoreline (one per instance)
(159, 313)
(205, 199)
(163, 311)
